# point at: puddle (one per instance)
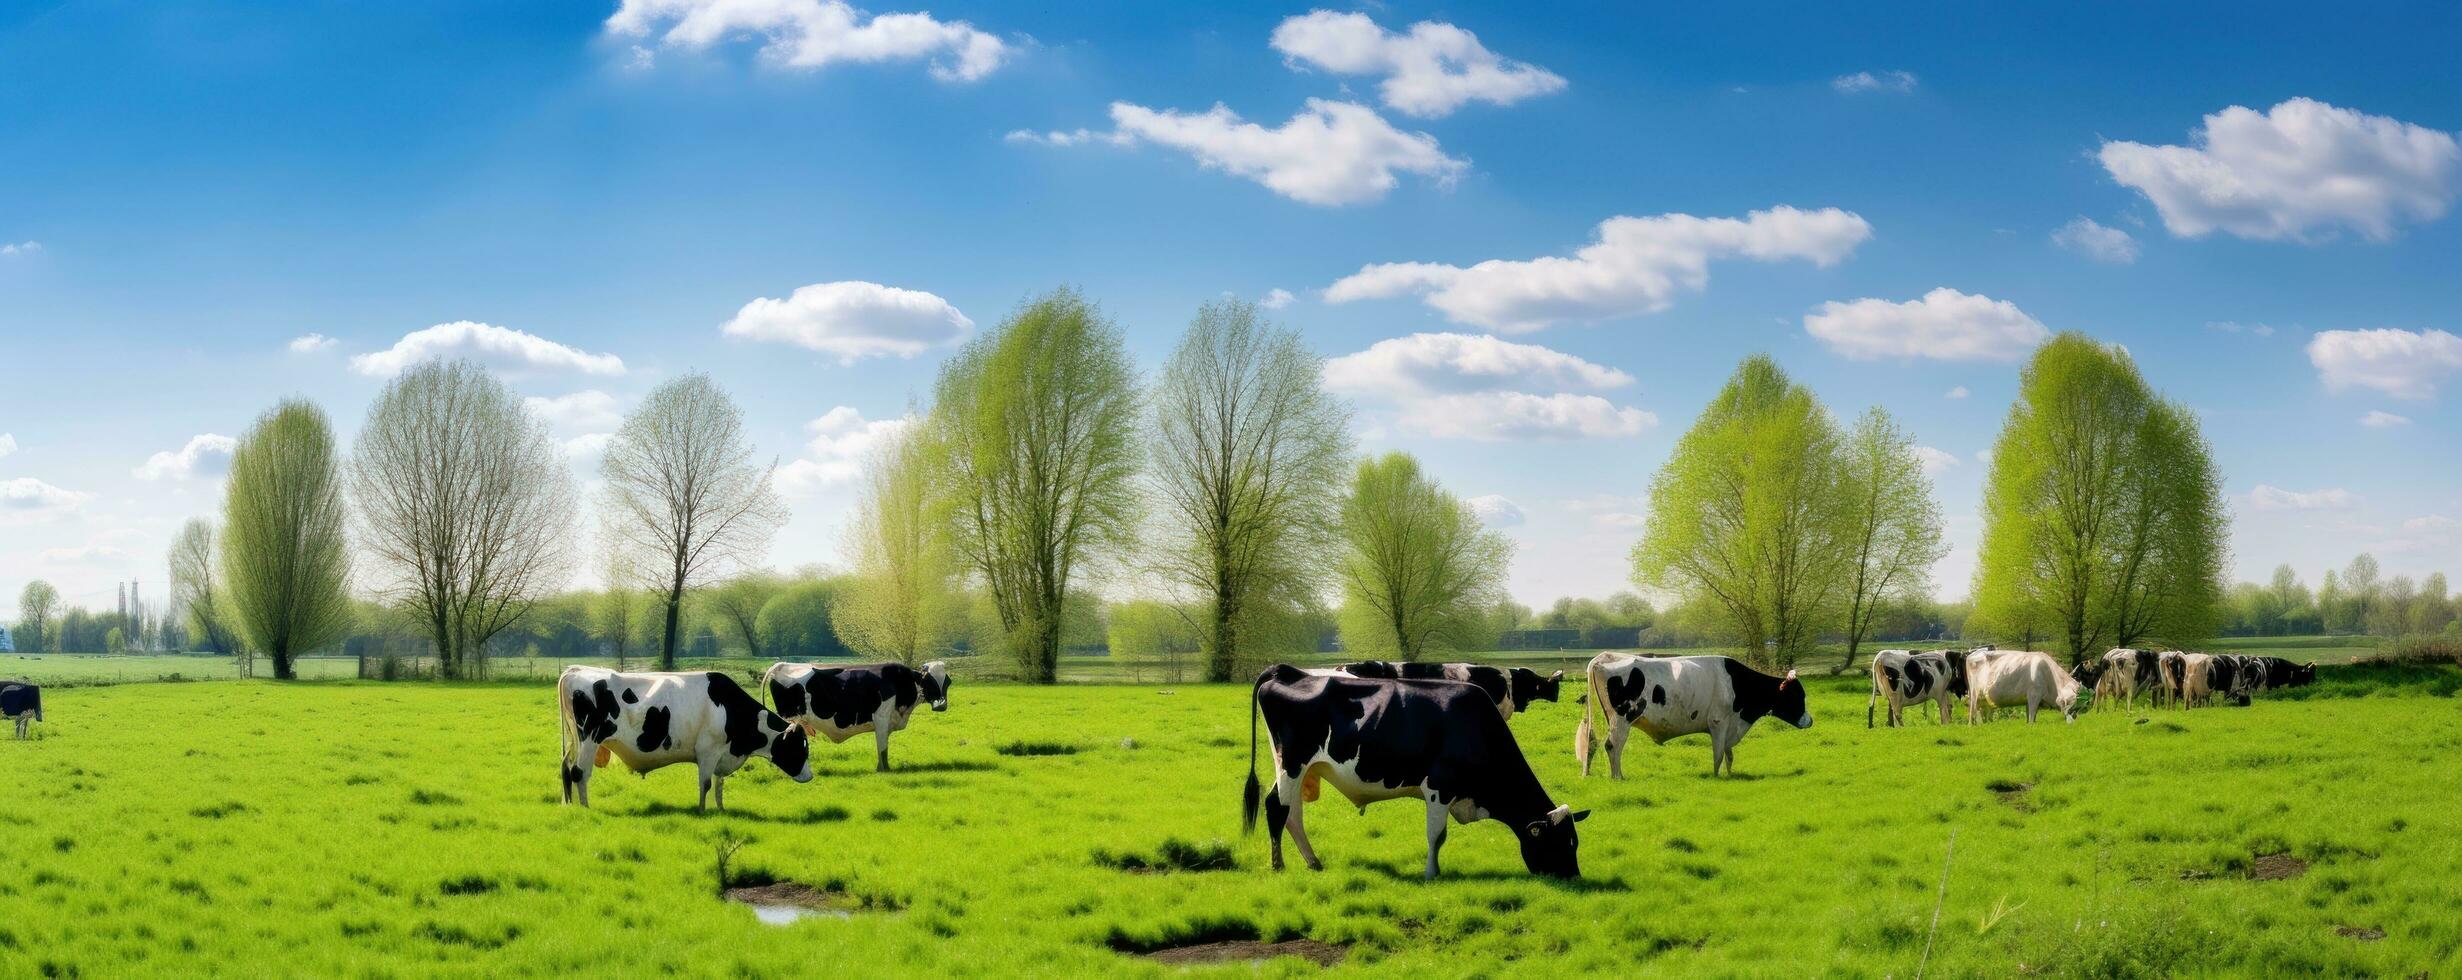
(788, 902)
(1252, 951)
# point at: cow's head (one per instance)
(787, 747)
(935, 684)
(2089, 673)
(1789, 704)
(2303, 674)
(1549, 845)
(1528, 686)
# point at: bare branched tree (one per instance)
(684, 498)
(193, 588)
(466, 505)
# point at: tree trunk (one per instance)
(675, 606)
(282, 663)
(1046, 640)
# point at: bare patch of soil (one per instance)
(1250, 950)
(2365, 934)
(2276, 867)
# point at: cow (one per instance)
(2014, 677)
(839, 703)
(1373, 739)
(2236, 677)
(1513, 689)
(1675, 696)
(654, 720)
(2191, 680)
(2278, 672)
(21, 703)
(2172, 665)
(2127, 672)
(1904, 677)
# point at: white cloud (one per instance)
(2096, 241)
(813, 34)
(2379, 419)
(26, 500)
(853, 320)
(1934, 460)
(100, 549)
(2233, 326)
(2431, 524)
(2301, 170)
(502, 348)
(587, 446)
(1276, 299)
(312, 343)
(1496, 511)
(8, 443)
(1329, 154)
(581, 411)
(2275, 498)
(2402, 363)
(1636, 266)
(1494, 416)
(1898, 82)
(1957, 393)
(206, 455)
(12, 249)
(841, 440)
(1070, 137)
(1983, 456)
(1429, 364)
(1944, 325)
(1612, 511)
(1430, 71)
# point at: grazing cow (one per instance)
(842, 702)
(2278, 672)
(2014, 677)
(2172, 665)
(2236, 677)
(1904, 677)
(654, 720)
(1377, 739)
(21, 702)
(1675, 696)
(2127, 672)
(2191, 680)
(1512, 689)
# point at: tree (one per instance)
(900, 604)
(2102, 510)
(2361, 592)
(284, 559)
(465, 503)
(2290, 602)
(1747, 525)
(683, 498)
(1421, 572)
(616, 618)
(734, 606)
(1248, 455)
(1893, 524)
(193, 569)
(1038, 417)
(1146, 630)
(34, 608)
(797, 622)
(2333, 608)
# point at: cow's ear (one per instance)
(1580, 815)
(1537, 828)
(1557, 676)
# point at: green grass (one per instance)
(101, 668)
(360, 828)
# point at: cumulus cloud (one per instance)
(26, 500)
(812, 34)
(2302, 170)
(1957, 393)
(104, 548)
(2402, 363)
(1329, 154)
(14, 249)
(2379, 419)
(840, 442)
(587, 446)
(2431, 523)
(1430, 364)
(2233, 326)
(1430, 71)
(1496, 511)
(206, 455)
(1637, 265)
(1276, 299)
(1934, 460)
(853, 320)
(1944, 325)
(2096, 241)
(312, 343)
(2267, 497)
(581, 411)
(1495, 416)
(1895, 82)
(502, 348)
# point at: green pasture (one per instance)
(353, 828)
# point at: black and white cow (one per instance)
(1373, 739)
(2278, 672)
(1668, 697)
(2172, 666)
(1513, 689)
(2128, 673)
(839, 703)
(20, 703)
(655, 720)
(1904, 677)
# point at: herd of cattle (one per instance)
(1986, 678)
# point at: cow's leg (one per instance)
(1436, 833)
(1617, 735)
(577, 770)
(718, 789)
(1299, 839)
(1947, 706)
(2032, 702)
(705, 788)
(1277, 813)
(880, 746)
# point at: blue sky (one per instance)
(187, 193)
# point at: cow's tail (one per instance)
(1250, 796)
(1876, 691)
(1588, 731)
(566, 739)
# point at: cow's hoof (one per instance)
(1277, 864)
(1316, 865)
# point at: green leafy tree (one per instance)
(1893, 525)
(1747, 524)
(34, 615)
(797, 622)
(194, 568)
(902, 603)
(1248, 456)
(733, 607)
(684, 503)
(285, 563)
(2169, 550)
(1039, 420)
(1421, 572)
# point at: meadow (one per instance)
(368, 828)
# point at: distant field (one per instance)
(414, 829)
